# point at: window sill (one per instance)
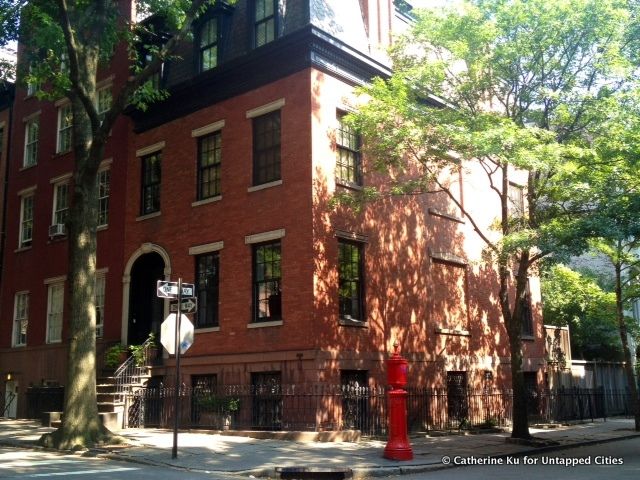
(207, 329)
(148, 216)
(528, 338)
(61, 154)
(57, 239)
(273, 323)
(27, 167)
(19, 346)
(255, 188)
(350, 322)
(348, 184)
(453, 331)
(102, 227)
(205, 201)
(22, 249)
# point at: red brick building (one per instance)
(227, 184)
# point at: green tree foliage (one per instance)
(575, 299)
(500, 86)
(65, 42)
(610, 190)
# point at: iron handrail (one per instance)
(130, 371)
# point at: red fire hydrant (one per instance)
(398, 447)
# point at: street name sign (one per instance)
(168, 289)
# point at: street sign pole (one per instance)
(174, 452)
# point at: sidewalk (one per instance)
(212, 452)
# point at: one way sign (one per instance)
(189, 305)
(170, 289)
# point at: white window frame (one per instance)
(104, 100)
(31, 139)
(24, 241)
(20, 318)
(65, 134)
(104, 190)
(60, 211)
(55, 311)
(100, 292)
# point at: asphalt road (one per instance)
(619, 460)
(22, 463)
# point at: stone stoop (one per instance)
(111, 404)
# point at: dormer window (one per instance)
(265, 22)
(209, 45)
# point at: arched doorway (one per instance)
(146, 310)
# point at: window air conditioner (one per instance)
(57, 230)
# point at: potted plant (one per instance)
(145, 352)
(115, 356)
(217, 411)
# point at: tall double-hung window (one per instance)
(20, 319)
(55, 308)
(99, 300)
(65, 127)
(265, 21)
(267, 276)
(31, 136)
(266, 148)
(26, 220)
(104, 188)
(349, 160)
(208, 45)
(207, 283)
(60, 203)
(151, 177)
(209, 165)
(350, 280)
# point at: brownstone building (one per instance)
(227, 184)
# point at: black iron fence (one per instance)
(336, 407)
(44, 399)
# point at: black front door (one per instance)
(145, 308)
(267, 401)
(458, 406)
(355, 399)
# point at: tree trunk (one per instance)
(81, 426)
(513, 323)
(628, 364)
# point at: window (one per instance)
(207, 277)
(20, 319)
(526, 313)
(267, 296)
(265, 21)
(151, 175)
(99, 301)
(104, 186)
(516, 199)
(449, 297)
(349, 160)
(350, 280)
(266, 148)
(60, 203)
(103, 101)
(31, 131)
(209, 160)
(26, 221)
(55, 307)
(32, 84)
(209, 45)
(65, 124)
